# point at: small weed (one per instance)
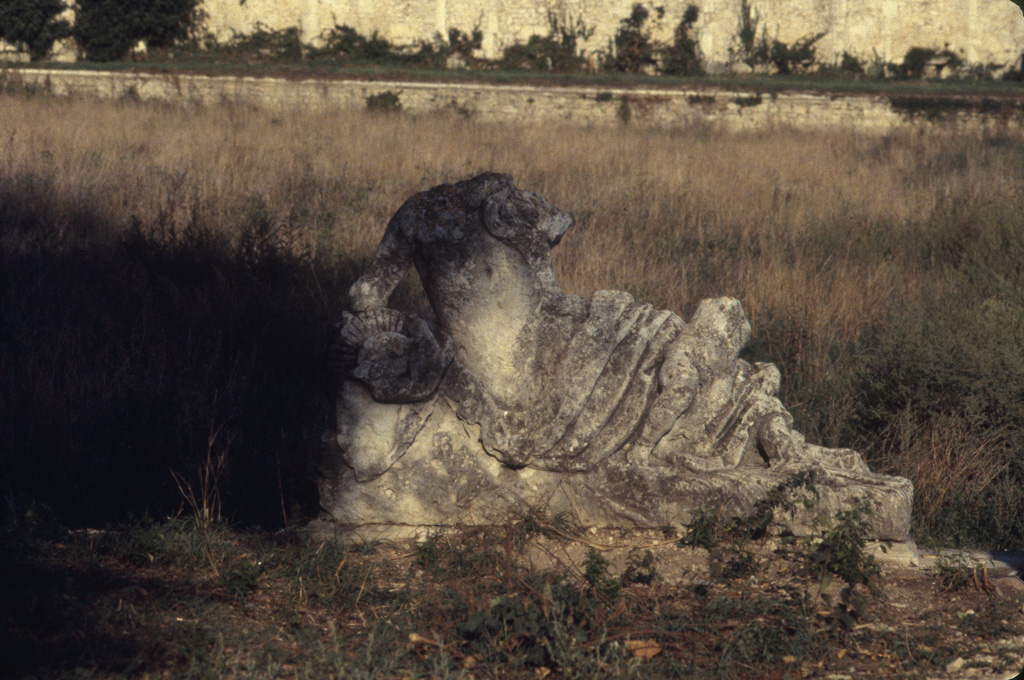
(796, 492)
(547, 625)
(957, 570)
(702, 532)
(384, 102)
(323, 562)
(841, 548)
(756, 643)
(839, 551)
(625, 112)
(535, 523)
(242, 576)
(428, 552)
(364, 547)
(203, 498)
(640, 569)
(733, 564)
(174, 541)
(597, 576)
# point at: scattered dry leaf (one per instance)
(416, 639)
(542, 672)
(643, 649)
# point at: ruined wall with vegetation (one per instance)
(980, 31)
(977, 38)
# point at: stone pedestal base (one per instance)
(444, 480)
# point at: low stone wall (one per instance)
(727, 109)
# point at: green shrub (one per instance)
(558, 51)
(789, 58)
(107, 29)
(746, 41)
(345, 41)
(545, 625)
(640, 569)
(263, 42)
(851, 64)
(634, 50)
(33, 24)
(436, 53)
(600, 580)
(683, 58)
(754, 48)
(702, 532)
(761, 643)
(840, 549)
(959, 353)
(955, 361)
(464, 44)
(915, 61)
(1016, 73)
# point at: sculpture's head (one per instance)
(520, 217)
(523, 220)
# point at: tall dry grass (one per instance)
(832, 241)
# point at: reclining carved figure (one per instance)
(521, 395)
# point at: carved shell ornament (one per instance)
(394, 354)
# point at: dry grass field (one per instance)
(881, 273)
(169, 277)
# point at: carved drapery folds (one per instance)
(518, 394)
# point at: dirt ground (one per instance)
(961, 611)
(227, 605)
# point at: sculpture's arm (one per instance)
(390, 262)
(394, 354)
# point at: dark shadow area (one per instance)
(147, 370)
(55, 617)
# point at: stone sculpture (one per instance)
(519, 396)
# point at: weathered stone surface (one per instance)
(522, 396)
(981, 31)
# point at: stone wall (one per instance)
(726, 109)
(982, 31)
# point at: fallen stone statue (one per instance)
(518, 396)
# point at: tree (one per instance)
(107, 29)
(33, 24)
